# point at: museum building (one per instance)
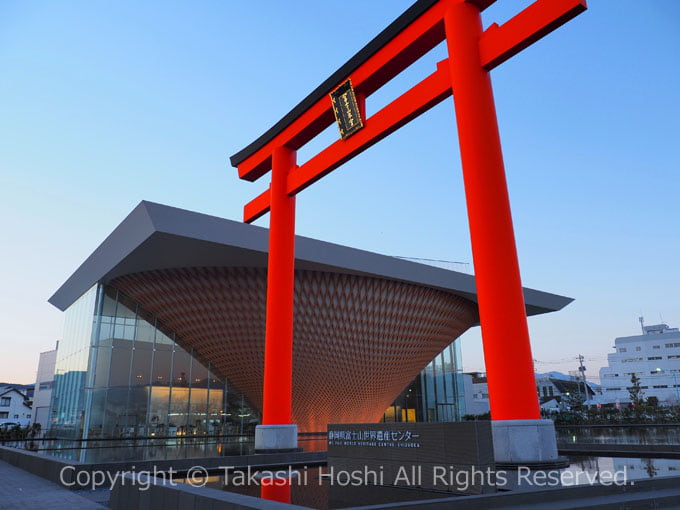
(164, 332)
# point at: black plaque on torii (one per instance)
(346, 110)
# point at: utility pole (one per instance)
(582, 371)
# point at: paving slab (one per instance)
(20, 489)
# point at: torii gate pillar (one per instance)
(519, 433)
(277, 433)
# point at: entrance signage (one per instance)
(414, 455)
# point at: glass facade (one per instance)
(436, 395)
(120, 373)
(71, 368)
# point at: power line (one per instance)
(432, 260)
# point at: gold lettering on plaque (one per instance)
(346, 110)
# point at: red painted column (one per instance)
(507, 351)
(278, 349)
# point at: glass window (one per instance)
(200, 384)
(138, 400)
(179, 410)
(73, 354)
(96, 419)
(143, 349)
(101, 359)
(215, 411)
(125, 323)
(164, 347)
(122, 343)
(119, 363)
(159, 422)
(181, 368)
(117, 421)
(180, 393)
(438, 394)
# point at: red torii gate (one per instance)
(473, 52)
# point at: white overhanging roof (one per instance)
(155, 236)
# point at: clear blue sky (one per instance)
(104, 104)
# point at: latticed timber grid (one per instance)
(358, 341)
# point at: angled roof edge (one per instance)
(155, 236)
(133, 230)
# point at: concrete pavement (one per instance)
(20, 489)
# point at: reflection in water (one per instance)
(639, 469)
(145, 449)
(155, 448)
(312, 488)
(648, 434)
(631, 468)
(277, 490)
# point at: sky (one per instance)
(105, 104)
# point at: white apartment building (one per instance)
(42, 395)
(654, 357)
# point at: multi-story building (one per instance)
(43, 387)
(653, 356)
(14, 406)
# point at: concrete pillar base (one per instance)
(525, 442)
(276, 439)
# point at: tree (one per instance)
(635, 391)
(575, 401)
